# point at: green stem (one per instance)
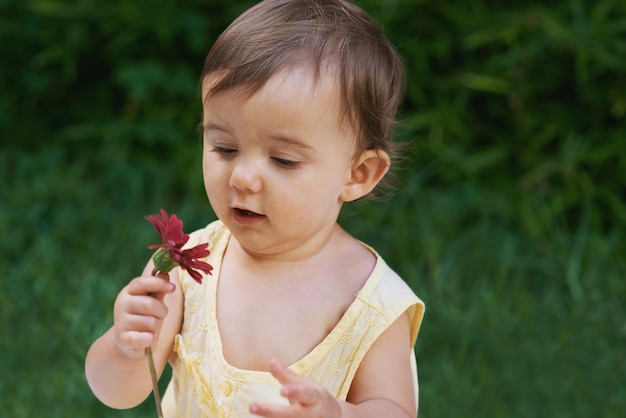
(153, 374)
(155, 382)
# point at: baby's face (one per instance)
(276, 164)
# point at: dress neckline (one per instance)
(310, 358)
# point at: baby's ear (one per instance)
(367, 170)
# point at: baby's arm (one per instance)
(382, 386)
(116, 366)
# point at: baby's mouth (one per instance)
(246, 217)
(246, 213)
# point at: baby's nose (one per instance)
(246, 176)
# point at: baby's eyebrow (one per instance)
(291, 141)
(213, 127)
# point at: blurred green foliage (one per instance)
(511, 224)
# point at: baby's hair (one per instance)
(331, 35)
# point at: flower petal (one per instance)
(194, 275)
(170, 230)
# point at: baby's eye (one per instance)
(225, 151)
(283, 162)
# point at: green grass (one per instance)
(515, 325)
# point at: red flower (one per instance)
(170, 254)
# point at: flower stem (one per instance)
(155, 382)
(153, 374)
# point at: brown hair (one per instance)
(276, 34)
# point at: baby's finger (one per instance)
(149, 322)
(282, 374)
(304, 394)
(270, 410)
(137, 339)
(149, 285)
(133, 343)
(295, 388)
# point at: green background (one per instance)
(510, 225)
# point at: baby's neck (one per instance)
(313, 249)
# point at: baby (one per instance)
(299, 319)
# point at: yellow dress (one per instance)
(205, 385)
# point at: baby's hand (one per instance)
(138, 314)
(306, 398)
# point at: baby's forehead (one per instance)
(249, 84)
(296, 83)
(299, 86)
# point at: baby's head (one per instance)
(328, 37)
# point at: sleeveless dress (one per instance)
(205, 385)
